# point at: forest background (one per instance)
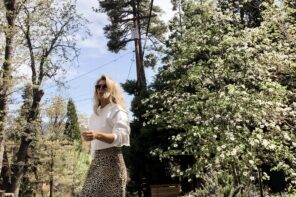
(218, 118)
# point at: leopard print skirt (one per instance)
(107, 175)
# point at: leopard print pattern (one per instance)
(107, 175)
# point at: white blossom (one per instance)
(251, 162)
(259, 136)
(234, 152)
(272, 146)
(287, 137)
(265, 143)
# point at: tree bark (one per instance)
(22, 154)
(141, 78)
(10, 6)
(51, 175)
(6, 172)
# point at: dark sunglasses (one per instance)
(101, 86)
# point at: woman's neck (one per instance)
(104, 102)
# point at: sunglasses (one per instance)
(101, 86)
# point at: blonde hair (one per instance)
(116, 95)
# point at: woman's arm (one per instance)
(105, 137)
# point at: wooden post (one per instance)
(165, 190)
(2, 192)
(8, 194)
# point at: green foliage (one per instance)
(55, 158)
(150, 60)
(290, 8)
(245, 13)
(52, 156)
(47, 43)
(60, 162)
(130, 86)
(72, 130)
(143, 140)
(220, 184)
(224, 92)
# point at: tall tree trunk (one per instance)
(26, 139)
(10, 6)
(51, 175)
(260, 182)
(6, 172)
(180, 17)
(73, 181)
(141, 78)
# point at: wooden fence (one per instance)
(3, 194)
(165, 190)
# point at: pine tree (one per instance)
(123, 14)
(129, 21)
(72, 130)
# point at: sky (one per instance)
(95, 60)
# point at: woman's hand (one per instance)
(90, 135)
(98, 135)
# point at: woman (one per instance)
(109, 131)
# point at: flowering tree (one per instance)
(226, 90)
(49, 42)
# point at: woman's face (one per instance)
(101, 89)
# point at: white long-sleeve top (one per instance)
(110, 119)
